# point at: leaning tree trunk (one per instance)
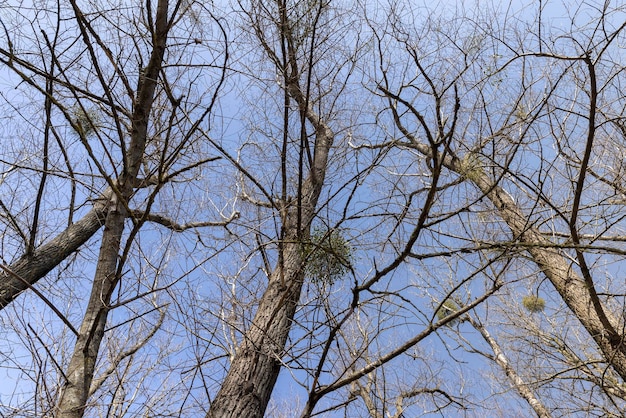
(248, 385)
(80, 371)
(24, 272)
(516, 380)
(579, 295)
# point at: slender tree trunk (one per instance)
(82, 365)
(80, 371)
(31, 267)
(518, 383)
(575, 291)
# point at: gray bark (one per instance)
(579, 296)
(80, 371)
(247, 388)
(29, 268)
(575, 291)
(518, 383)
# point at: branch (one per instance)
(171, 224)
(41, 296)
(97, 382)
(323, 390)
(24, 272)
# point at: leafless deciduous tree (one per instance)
(559, 118)
(121, 124)
(361, 209)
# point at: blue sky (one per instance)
(231, 127)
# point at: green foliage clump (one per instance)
(533, 303)
(447, 308)
(471, 168)
(85, 120)
(328, 255)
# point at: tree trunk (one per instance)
(516, 380)
(82, 365)
(250, 380)
(249, 383)
(29, 268)
(579, 296)
(575, 291)
(80, 371)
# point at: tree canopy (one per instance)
(312, 208)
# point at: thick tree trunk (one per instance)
(248, 386)
(249, 383)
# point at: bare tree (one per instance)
(291, 35)
(122, 125)
(109, 270)
(311, 67)
(388, 184)
(488, 148)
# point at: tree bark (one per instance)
(80, 371)
(29, 268)
(247, 388)
(249, 383)
(82, 364)
(578, 294)
(574, 290)
(518, 383)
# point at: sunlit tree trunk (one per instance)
(579, 296)
(516, 380)
(80, 371)
(248, 385)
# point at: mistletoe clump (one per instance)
(447, 308)
(328, 255)
(533, 303)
